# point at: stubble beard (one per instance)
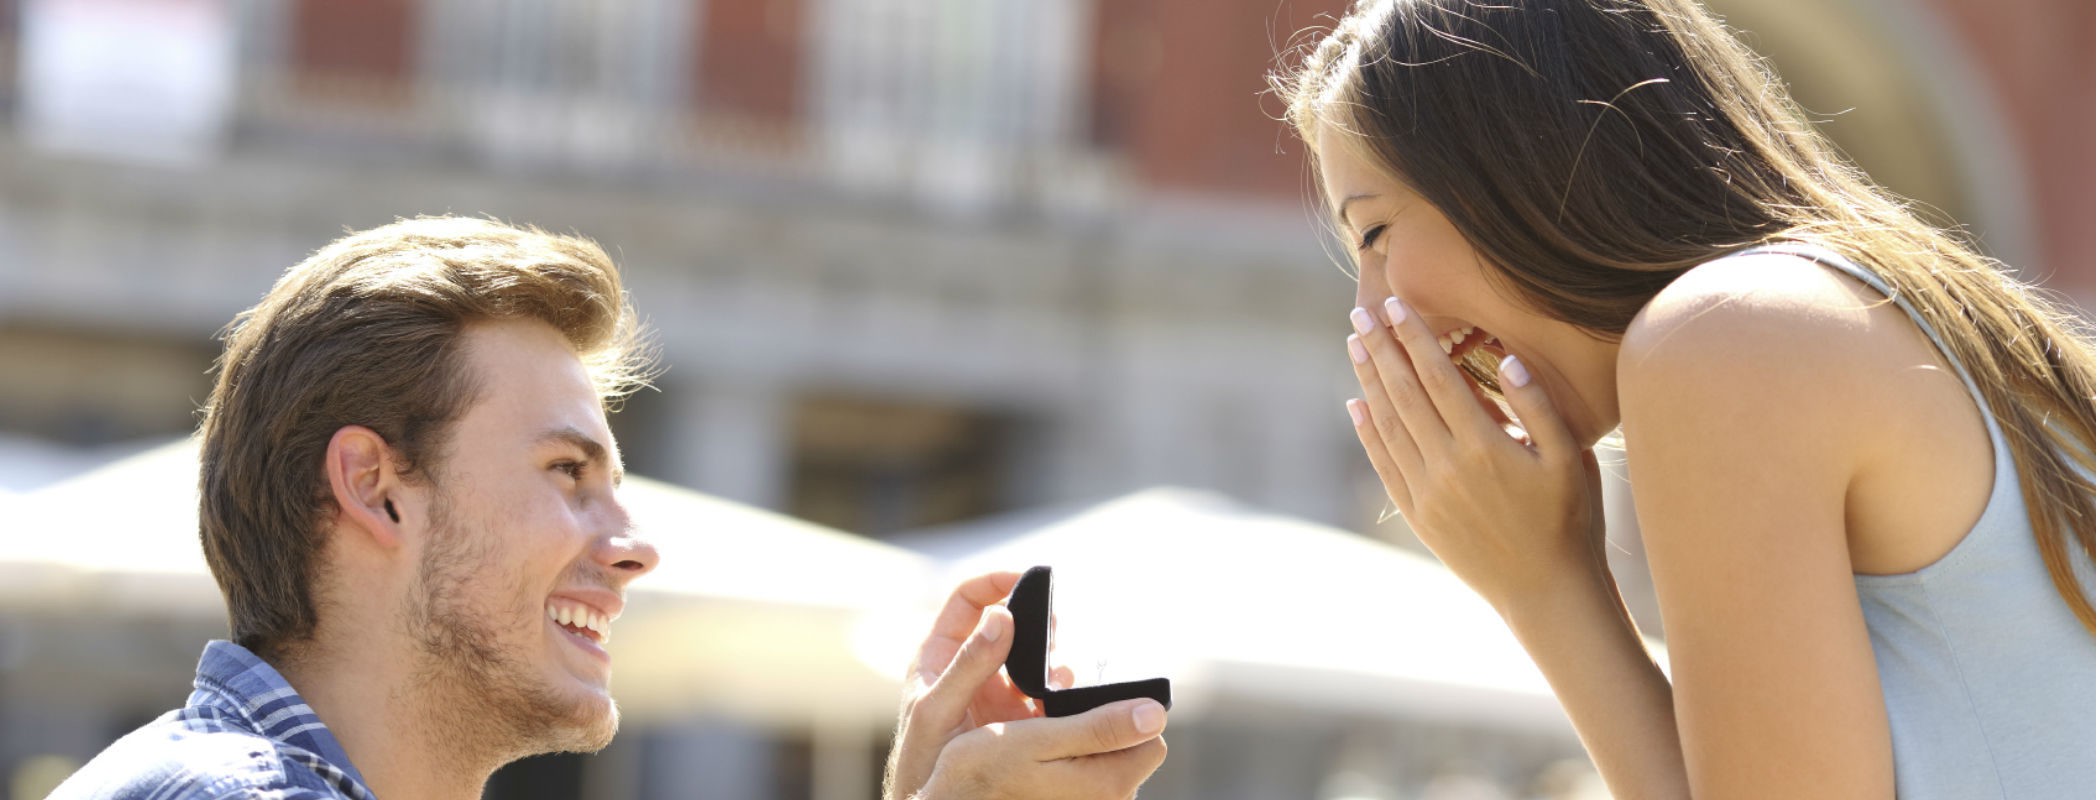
(477, 694)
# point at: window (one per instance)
(550, 82)
(878, 468)
(947, 98)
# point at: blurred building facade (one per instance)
(910, 261)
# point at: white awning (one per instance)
(750, 613)
(1248, 609)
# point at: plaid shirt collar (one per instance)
(239, 687)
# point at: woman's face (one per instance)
(1404, 247)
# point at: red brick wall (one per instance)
(751, 59)
(1177, 87)
(354, 38)
(2037, 56)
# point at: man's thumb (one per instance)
(1113, 727)
(978, 661)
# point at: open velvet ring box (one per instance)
(1028, 664)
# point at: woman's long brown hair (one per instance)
(1594, 150)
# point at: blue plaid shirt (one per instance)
(244, 733)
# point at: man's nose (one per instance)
(627, 553)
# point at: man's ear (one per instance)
(361, 478)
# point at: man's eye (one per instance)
(573, 469)
(1370, 237)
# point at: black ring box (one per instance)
(1028, 665)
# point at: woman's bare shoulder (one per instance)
(1768, 311)
(1763, 341)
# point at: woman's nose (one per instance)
(1370, 296)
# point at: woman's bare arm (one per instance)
(1746, 410)
(1746, 402)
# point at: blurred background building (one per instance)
(911, 262)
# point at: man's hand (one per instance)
(966, 732)
(1104, 753)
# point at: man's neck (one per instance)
(379, 712)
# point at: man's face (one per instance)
(527, 553)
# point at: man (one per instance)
(408, 501)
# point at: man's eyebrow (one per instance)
(1341, 212)
(592, 448)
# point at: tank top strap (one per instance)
(1830, 258)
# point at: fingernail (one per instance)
(1513, 372)
(1362, 320)
(1356, 412)
(1357, 353)
(991, 630)
(1149, 717)
(1394, 311)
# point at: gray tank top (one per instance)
(1987, 675)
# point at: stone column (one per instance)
(729, 438)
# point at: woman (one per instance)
(1861, 454)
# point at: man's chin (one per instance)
(590, 718)
(593, 736)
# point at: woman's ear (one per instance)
(361, 479)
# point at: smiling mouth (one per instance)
(580, 620)
(1463, 340)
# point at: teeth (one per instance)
(581, 617)
(603, 627)
(1452, 340)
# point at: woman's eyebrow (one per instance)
(1341, 212)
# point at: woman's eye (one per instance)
(1370, 237)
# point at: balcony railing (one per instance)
(965, 108)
